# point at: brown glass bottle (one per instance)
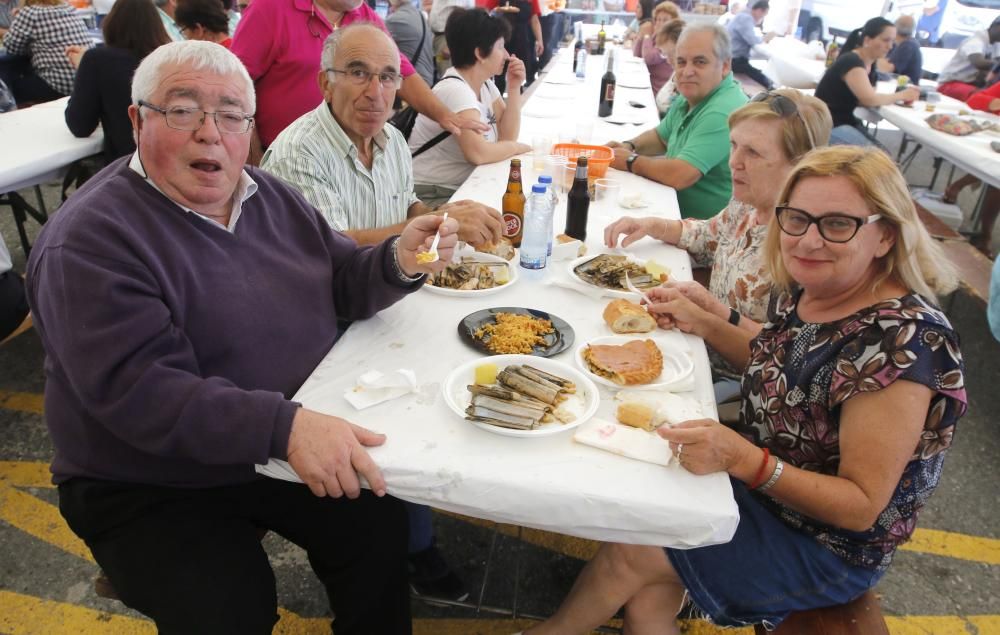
(578, 202)
(512, 205)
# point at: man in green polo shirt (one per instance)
(689, 150)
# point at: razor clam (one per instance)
(507, 394)
(533, 376)
(477, 411)
(566, 384)
(608, 271)
(519, 409)
(527, 386)
(500, 422)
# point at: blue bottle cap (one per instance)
(537, 188)
(545, 178)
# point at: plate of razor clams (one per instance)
(521, 395)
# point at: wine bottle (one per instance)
(606, 100)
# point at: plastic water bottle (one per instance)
(534, 244)
(581, 63)
(546, 180)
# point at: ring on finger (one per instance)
(680, 450)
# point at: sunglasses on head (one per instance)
(784, 107)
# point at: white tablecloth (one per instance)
(435, 457)
(37, 145)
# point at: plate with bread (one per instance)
(636, 362)
(607, 271)
(521, 395)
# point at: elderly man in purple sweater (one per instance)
(182, 299)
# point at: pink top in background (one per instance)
(659, 69)
(280, 43)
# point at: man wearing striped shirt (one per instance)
(344, 158)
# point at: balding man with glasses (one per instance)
(182, 299)
(345, 159)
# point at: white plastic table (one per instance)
(435, 457)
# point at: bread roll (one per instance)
(627, 317)
(636, 414)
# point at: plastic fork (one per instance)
(433, 251)
(634, 289)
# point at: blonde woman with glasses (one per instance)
(767, 137)
(827, 485)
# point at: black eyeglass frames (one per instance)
(784, 107)
(836, 228)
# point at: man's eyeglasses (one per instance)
(361, 77)
(784, 107)
(191, 119)
(836, 228)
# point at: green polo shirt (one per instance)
(700, 136)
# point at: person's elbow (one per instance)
(861, 519)
(79, 128)
(686, 177)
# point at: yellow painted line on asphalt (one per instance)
(26, 615)
(23, 401)
(952, 545)
(943, 625)
(25, 474)
(40, 519)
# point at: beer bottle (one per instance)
(578, 203)
(602, 38)
(512, 205)
(606, 100)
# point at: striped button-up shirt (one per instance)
(315, 156)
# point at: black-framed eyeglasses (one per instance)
(361, 77)
(191, 119)
(785, 107)
(836, 228)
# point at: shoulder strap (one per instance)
(441, 136)
(423, 36)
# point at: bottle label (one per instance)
(609, 92)
(511, 224)
(515, 174)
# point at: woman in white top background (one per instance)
(476, 41)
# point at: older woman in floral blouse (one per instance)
(828, 486)
(767, 136)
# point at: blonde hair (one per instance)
(794, 135)
(43, 3)
(914, 260)
(669, 8)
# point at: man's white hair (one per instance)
(722, 46)
(333, 40)
(196, 54)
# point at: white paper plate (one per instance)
(605, 292)
(476, 293)
(584, 402)
(677, 365)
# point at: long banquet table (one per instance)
(433, 456)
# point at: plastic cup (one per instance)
(541, 147)
(555, 166)
(584, 132)
(607, 192)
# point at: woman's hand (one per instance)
(908, 94)
(74, 54)
(632, 228)
(673, 305)
(539, 48)
(700, 296)
(704, 446)
(516, 73)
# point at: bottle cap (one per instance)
(537, 188)
(544, 178)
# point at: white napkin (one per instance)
(374, 387)
(633, 201)
(579, 287)
(634, 443)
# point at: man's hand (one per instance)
(328, 454)
(516, 73)
(539, 48)
(621, 154)
(478, 224)
(418, 236)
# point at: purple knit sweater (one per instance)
(173, 346)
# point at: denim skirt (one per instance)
(766, 571)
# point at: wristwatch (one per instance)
(630, 160)
(734, 317)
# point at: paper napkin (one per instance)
(374, 387)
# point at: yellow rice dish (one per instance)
(513, 333)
